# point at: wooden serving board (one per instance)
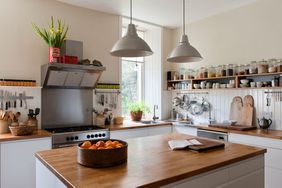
(235, 108)
(207, 145)
(246, 117)
(233, 127)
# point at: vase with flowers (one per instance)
(54, 37)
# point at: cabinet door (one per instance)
(129, 133)
(159, 130)
(18, 162)
(185, 130)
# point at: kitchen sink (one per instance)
(150, 122)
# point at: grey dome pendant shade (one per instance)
(184, 52)
(131, 45)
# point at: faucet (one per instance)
(155, 117)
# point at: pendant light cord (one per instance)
(130, 11)
(183, 17)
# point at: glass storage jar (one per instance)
(272, 65)
(241, 70)
(181, 73)
(246, 69)
(235, 70)
(262, 67)
(223, 70)
(279, 66)
(211, 72)
(218, 71)
(229, 70)
(176, 75)
(253, 68)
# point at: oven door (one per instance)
(213, 135)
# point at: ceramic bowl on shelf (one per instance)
(222, 86)
(244, 81)
(196, 86)
(259, 84)
(230, 85)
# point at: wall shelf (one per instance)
(237, 78)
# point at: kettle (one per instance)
(264, 123)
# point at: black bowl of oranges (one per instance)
(102, 153)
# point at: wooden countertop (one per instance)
(275, 134)
(36, 134)
(150, 163)
(134, 125)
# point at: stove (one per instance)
(70, 136)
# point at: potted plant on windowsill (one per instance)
(137, 109)
(53, 37)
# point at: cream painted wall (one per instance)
(251, 32)
(166, 66)
(22, 51)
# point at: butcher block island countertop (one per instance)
(151, 163)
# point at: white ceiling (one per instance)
(166, 13)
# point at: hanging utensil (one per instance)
(268, 100)
(21, 99)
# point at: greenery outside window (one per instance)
(132, 71)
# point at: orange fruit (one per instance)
(86, 144)
(119, 145)
(100, 143)
(109, 143)
(93, 147)
(114, 143)
(109, 147)
(99, 148)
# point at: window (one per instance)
(132, 71)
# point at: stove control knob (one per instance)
(67, 138)
(96, 135)
(76, 137)
(72, 138)
(104, 135)
(100, 135)
(88, 136)
(92, 135)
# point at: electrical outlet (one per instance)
(267, 114)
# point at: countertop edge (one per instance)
(135, 126)
(247, 132)
(8, 137)
(203, 170)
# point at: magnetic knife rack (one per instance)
(192, 93)
(272, 92)
(16, 98)
(115, 92)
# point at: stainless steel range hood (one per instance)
(70, 76)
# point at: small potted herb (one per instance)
(54, 37)
(137, 109)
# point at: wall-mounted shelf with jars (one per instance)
(246, 81)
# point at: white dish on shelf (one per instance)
(244, 81)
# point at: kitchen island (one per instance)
(151, 163)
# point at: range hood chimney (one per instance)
(70, 76)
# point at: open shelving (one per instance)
(224, 80)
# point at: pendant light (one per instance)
(131, 45)
(184, 52)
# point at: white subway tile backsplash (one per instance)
(221, 99)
